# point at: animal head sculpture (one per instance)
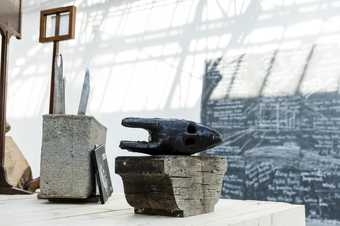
(171, 137)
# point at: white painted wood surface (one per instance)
(28, 210)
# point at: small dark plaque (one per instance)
(102, 173)
(10, 16)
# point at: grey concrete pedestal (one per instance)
(177, 186)
(66, 169)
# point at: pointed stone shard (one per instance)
(59, 89)
(18, 171)
(84, 94)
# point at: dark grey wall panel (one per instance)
(279, 147)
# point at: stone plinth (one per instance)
(177, 186)
(66, 169)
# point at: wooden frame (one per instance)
(57, 11)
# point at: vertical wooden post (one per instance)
(54, 62)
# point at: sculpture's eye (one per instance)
(191, 128)
(189, 141)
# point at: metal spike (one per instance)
(84, 94)
(59, 93)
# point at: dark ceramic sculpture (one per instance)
(171, 137)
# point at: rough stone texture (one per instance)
(66, 170)
(172, 185)
(18, 171)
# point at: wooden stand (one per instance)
(5, 187)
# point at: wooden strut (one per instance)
(54, 62)
(3, 97)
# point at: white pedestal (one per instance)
(28, 211)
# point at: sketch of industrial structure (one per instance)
(280, 147)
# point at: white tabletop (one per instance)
(28, 210)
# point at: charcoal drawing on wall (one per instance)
(281, 145)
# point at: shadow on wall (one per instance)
(147, 57)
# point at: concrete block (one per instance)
(177, 186)
(66, 169)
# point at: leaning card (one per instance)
(102, 173)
